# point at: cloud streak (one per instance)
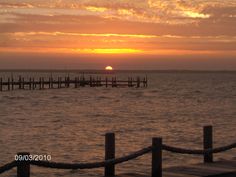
(150, 27)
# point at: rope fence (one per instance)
(198, 151)
(119, 160)
(23, 167)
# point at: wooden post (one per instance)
(58, 82)
(156, 157)
(65, 82)
(83, 81)
(115, 82)
(138, 82)
(33, 86)
(19, 82)
(109, 153)
(8, 84)
(106, 82)
(51, 82)
(100, 81)
(23, 83)
(208, 143)
(12, 83)
(23, 167)
(68, 81)
(146, 81)
(90, 81)
(42, 82)
(0, 84)
(76, 82)
(30, 83)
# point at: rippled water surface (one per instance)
(69, 124)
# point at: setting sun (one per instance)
(108, 68)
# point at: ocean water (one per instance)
(69, 124)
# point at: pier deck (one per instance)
(9, 84)
(222, 168)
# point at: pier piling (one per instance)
(208, 143)
(8, 84)
(41, 83)
(157, 157)
(109, 153)
(0, 84)
(23, 167)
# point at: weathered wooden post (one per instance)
(90, 81)
(12, 83)
(42, 82)
(75, 82)
(58, 82)
(109, 153)
(78, 81)
(208, 143)
(115, 82)
(23, 83)
(52, 84)
(156, 157)
(23, 166)
(68, 81)
(30, 82)
(8, 84)
(65, 82)
(106, 82)
(19, 82)
(0, 84)
(145, 81)
(138, 82)
(33, 84)
(83, 81)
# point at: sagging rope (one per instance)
(198, 152)
(94, 164)
(8, 166)
(131, 156)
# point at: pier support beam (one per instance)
(156, 157)
(208, 143)
(109, 153)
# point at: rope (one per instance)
(94, 164)
(8, 166)
(118, 160)
(198, 152)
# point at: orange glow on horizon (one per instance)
(108, 51)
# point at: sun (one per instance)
(109, 68)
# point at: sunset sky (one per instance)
(126, 34)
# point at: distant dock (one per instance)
(41, 83)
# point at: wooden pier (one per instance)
(66, 82)
(209, 167)
(221, 168)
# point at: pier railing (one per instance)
(23, 167)
(41, 83)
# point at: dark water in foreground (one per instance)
(69, 124)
